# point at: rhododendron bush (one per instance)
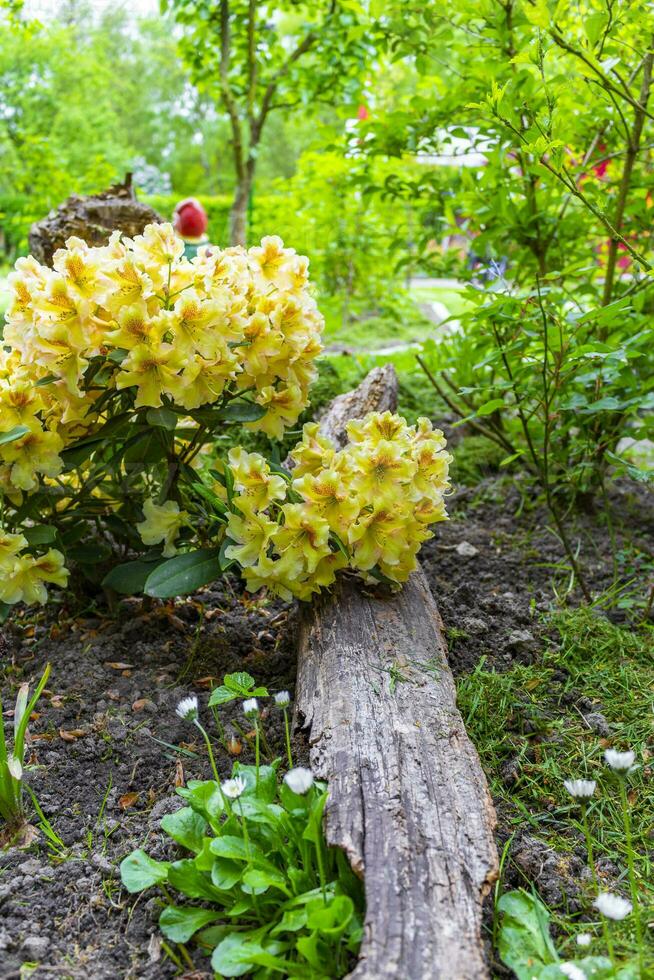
(120, 367)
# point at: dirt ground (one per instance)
(103, 743)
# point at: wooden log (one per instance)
(92, 219)
(408, 798)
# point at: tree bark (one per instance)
(408, 798)
(238, 216)
(92, 218)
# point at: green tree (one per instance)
(258, 58)
(556, 359)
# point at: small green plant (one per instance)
(276, 900)
(11, 761)
(526, 947)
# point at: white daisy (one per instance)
(282, 699)
(234, 787)
(250, 707)
(580, 789)
(612, 906)
(299, 780)
(188, 708)
(619, 761)
(572, 971)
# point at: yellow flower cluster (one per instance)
(366, 507)
(142, 317)
(23, 576)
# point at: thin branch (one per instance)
(226, 90)
(625, 182)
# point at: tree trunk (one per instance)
(238, 216)
(408, 798)
(92, 218)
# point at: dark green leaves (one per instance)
(184, 573)
(130, 578)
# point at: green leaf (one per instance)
(5, 609)
(89, 554)
(225, 873)
(183, 574)
(130, 578)
(164, 418)
(525, 944)
(179, 923)
(239, 952)
(266, 789)
(332, 919)
(186, 827)
(241, 682)
(313, 829)
(12, 435)
(242, 412)
(235, 849)
(492, 406)
(187, 878)
(40, 534)
(139, 871)
(260, 879)
(203, 796)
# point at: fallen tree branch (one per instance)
(408, 798)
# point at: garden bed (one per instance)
(104, 781)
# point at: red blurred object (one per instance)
(190, 218)
(362, 113)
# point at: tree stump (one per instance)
(408, 798)
(92, 219)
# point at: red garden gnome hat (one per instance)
(190, 218)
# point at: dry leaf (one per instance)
(140, 704)
(72, 734)
(206, 681)
(127, 800)
(234, 746)
(116, 665)
(126, 673)
(57, 701)
(179, 774)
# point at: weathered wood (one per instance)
(92, 219)
(408, 798)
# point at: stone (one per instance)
(466, 550)
(35, 947)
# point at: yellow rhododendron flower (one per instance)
(154, 372)
(35, 453)
(303, 537)
(11, 545)
(252, 535)
(366, 507)
(331, 498)
(313, 452)
(256, 485)
(23, 578)
(163, 522)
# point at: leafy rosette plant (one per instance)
(275, 900)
